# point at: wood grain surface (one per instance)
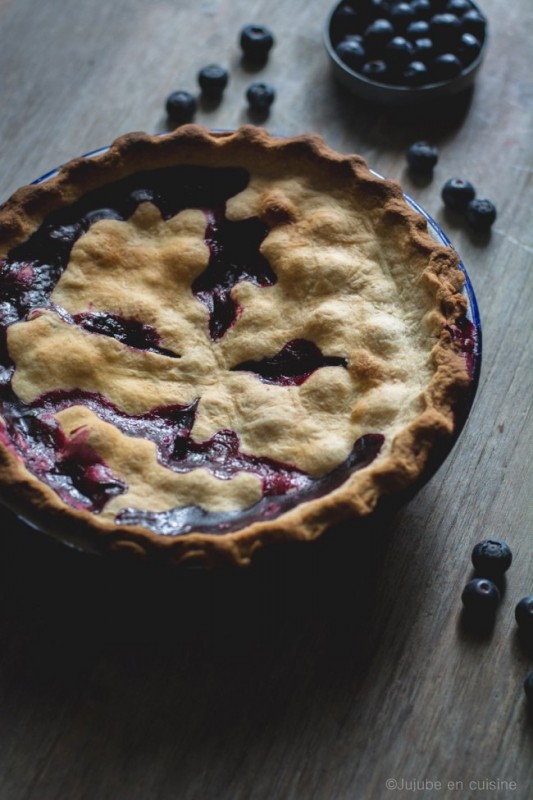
(323, 671)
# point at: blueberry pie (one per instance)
(213, 341)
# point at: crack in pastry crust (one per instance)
(355, 276)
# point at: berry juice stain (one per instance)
(465, 334)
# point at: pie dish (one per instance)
(212, 341)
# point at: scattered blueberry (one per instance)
(457, 7)
(445, 29)
(213, 79)
(256, 42)
(181, 106)
(422, 8)
(260, 96)
(491, 558)
(457, 193)
(481, 597)
(351, 52)
(401, 15)
(422, 157)
(524, 615)
(480, 214)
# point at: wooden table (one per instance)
(319, 673)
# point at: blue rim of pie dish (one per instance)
(389, 94)
(472, 315)
(472, 310)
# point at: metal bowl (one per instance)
(389, 94)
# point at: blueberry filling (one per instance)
(71, 466)
(234, 256)
(130, 332)
(273, 503)
(181, 106)
(294, 363)
(82, 479)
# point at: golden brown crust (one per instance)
(434, 274)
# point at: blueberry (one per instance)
(64, 234)
(481, 596)
(401, 15)
(256, 42)
(144, 195)
(379, 8)
(458, 7)
(378, 34)
(422, 156)
(351, 52)
(213, 80)
(469, 48)
(354, 37)
(524, 615)
(457, 193)
(98, 214)
(528, 688)
(375, 70)
(416, 74)
(181, 107)
(446, 67)
(491, 558)
(260, 96)
(424, 50)
(398, 52)
(480, 214)
(474, 22)
(422, 8)
(445, 29)
(417, 30)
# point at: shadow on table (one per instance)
(132, 657)
(396, 128)
(323, 589)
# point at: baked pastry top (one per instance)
(210, 341)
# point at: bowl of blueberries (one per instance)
(400, 52)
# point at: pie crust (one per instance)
(241, 339)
